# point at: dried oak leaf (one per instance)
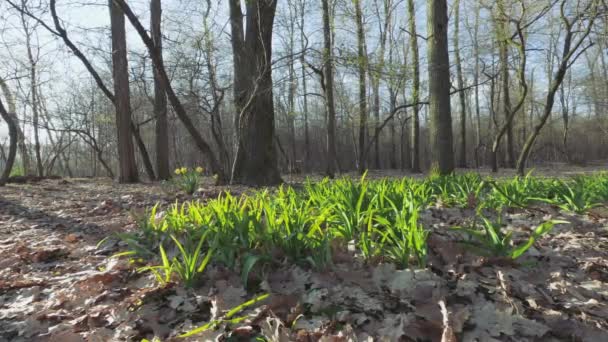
(490, 322)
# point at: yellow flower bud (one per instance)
(178, 171)
(199, 169)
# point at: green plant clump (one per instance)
(373, 220)
(187, 180)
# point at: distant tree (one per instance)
(505, 39)
(33, 57)
(577, 27)
(214, 165)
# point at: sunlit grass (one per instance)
(378, 218)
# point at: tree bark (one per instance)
(328, 76)
(462, 160)
(305, 113)
(160, 97)
(415, 133)
(362, 64)
(303, 40)
(476, 81)
(256, 160)
(13, 136)
(291, 94)
(442, 156)
(120, 73)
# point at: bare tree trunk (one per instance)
(572, 49)
(13, 135)
(328, 76)
(565, 106)
(415, 134)
(509, 111)
(304, 86)
(180, 111)
(160, 97)
(256, 159)
(291, 93)
(476, 81)
(33, 61)
(462, 161)
(120, 72)
(376, 72)
(392, 130)
(442, 156)
(362, 64)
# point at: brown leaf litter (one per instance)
(56, 285)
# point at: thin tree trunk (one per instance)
(33, 95)
(415, 134)
(572, 49)
(509, 110)
(291, 94)
(476, 81)
(328, 76)
(462, 161)
(304, 86)
(362, 64)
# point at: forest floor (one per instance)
(56, 284)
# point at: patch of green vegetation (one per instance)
(372, 220)
(187, 180)
(490, 240)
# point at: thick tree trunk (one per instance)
(415, 134)
(256, 160)
(120, 72)
(160, 97)
(442, 156)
